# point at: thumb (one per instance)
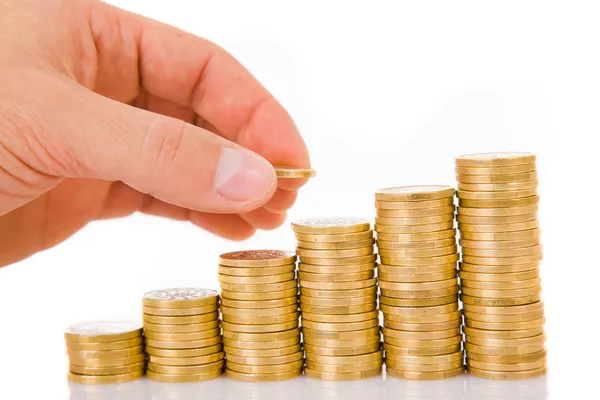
(172, 160)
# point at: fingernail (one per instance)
(243, 176)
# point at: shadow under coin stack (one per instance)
(261, 330)
(501, 253)
(105, 352)
(338, 298)
(416, 239)
(183, 335)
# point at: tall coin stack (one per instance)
(416, 239)
(338, 298)
(261, 330)
(183, 335)
(105, 352)
(501, 254)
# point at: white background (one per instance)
(385, 94)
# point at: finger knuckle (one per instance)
(163, 144)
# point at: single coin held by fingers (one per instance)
(287, 172)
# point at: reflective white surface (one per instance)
(459, 388)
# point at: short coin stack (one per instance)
(501, 287)
(338, 298)
(417, 278)
(261, 330)
(105, 352)
(183, 335)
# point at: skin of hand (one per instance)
(104, 113)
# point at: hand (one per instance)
(104, 113)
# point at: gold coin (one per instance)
(420, 294)
(433, 244)
(497, 212)
(334, 238)
(342, 376)
(336, 269)
(351, 301)
(497, 318)
(367, 334)
(181, 328)
(260, 288)
(180, 320)
(503, 293)
(524, 309)
(500, 302)
(342, 277)
(184, 337)
(263, 352)
(344, 368)
(425, 375)
(256, 280)
(345, 360)
(518, 226)
(257, 258)
(331, 225)
(500, 203)
(262, 337)
(506, 195)
(274, 344)
(506, 375)
(262, 271)
(265, 369)
(497, 178)
(416, 270)
(98, 371)
(431, 277)
(418, 286)
(175, 312)
(506, 342)
(429, 219)
(421, 351)
(124, 344)
(400, 366)
(180, 298)
(339, 327)
(503, 335)
(188, 344)
(370, 258)
(238, 376)
(424, 319)
(519, 252)
(414, 205)
(326, 254)
(186, 369)
(105, 379)
(498, 269)
(417, 237)
(336, 245)
(503, 260)
(425, 343)
(418, 327)
(417, 213)
(425, 261)
(502, 236)
(388, 227)
(181, 361)
(107, 362)
(503, 245)
(259, 312)
(274, 295)
(365, 283)
(511, 367)
(524, 284)
(266, 360)
(275, 319)
(500, 170)
(424, 360)
(512, 219)
(184, 353)
(505, 326)
(418, 253)
(85, 354)
(287, 172)
(508, 359)
(497, 187)
(103, 331)
(418, 311)
(338, 294)
(260, 304)
(266, 328)
(414, 193)
(342, 351)
(436, 301)
(343, 318)
(407, 335)
(177, 378)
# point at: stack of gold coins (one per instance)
(338, 298)
(183, 335)
(261, 330)
(501, 253)
(105, 352)
(417, 278)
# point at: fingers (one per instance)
(263, 219)
(229, 226)
(281, 201)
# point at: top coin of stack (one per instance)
(417, 277)
(183, 335)
(105, 352)
(259, 292)
(338, 298)
(501, 287)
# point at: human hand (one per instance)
(104, 113)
